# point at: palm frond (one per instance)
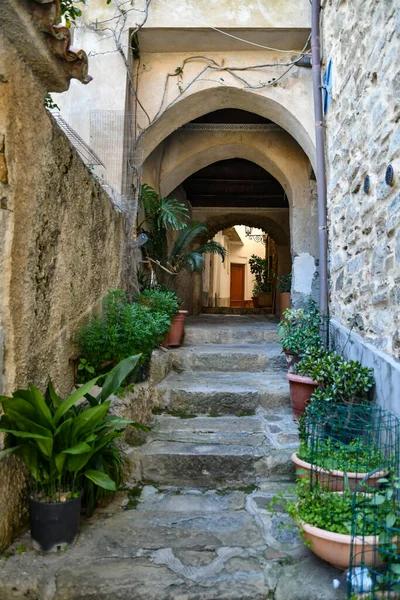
(195, 262)
(149, 200)
(185, 239)
(212, 248)
(172, 213)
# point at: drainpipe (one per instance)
(320, 150)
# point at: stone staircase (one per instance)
(229, 421)
(197, 523)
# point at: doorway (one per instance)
(237, 285)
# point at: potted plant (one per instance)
(162, 300)
(63, 443)
(284, 285)
(327, 461)
(263, 283)
(325, 520)
(299, 330)
(254, 297)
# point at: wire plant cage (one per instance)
(374, 572)
(351, 453)
(345, 442)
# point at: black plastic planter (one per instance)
(54, 525)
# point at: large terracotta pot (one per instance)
(177, 328)
(335, 548)
(301, 389)
(333, 480)
(284, 301)
(265, 299)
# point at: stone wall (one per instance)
(60, 251)
(363, 138)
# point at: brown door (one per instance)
(237, 285)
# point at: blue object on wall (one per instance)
(328, 86)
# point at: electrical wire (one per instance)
(235, 37)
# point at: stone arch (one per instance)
(281, 109)
(276, 152)
(267, 224)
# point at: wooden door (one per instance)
(237, 285)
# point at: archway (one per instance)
(276, 105)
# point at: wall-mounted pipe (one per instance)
(320, 149)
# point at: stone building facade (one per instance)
(362, 41)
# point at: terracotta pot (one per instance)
(177, 328)
(301, 389)
(255, 301)
(265, 299)
(335, 548)
(333, 480)
(284, 301)
(292, 360)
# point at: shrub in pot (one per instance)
(284, 285)
(326, 522)
(263, 281)
(299, 330)
(65, 445)
(125, 329)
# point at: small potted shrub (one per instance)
(284, 285)
(64, 445)
(300, 330)
(263, 283)
(339, 380)
(124, 329)
(325, 520)
(163, 301)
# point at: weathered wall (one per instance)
(363, 138)
(64, 237)
(60, 251)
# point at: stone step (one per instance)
(230, 329)
(235, 393)
(215, 357)
(216, 451)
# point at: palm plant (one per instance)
(163, 213)
(182, 257)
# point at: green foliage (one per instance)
(65, 444)
(162, 213)
(160, 301)
(49, 103)
(340, 380)
(284, 282)
(259, 268)
(301, 328)
(356, 456)
(334, 511)
(69, 11)
(122, 330)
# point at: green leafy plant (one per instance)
(356, 456)
(66, 443)
(301, 328)
(339, 380)
(122, 330)
(182, 256)
(259, 268)
(284, 282)
(334, 511)
(161, 213)
(160, 301)
(70, 11)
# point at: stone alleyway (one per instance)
(198, 526)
